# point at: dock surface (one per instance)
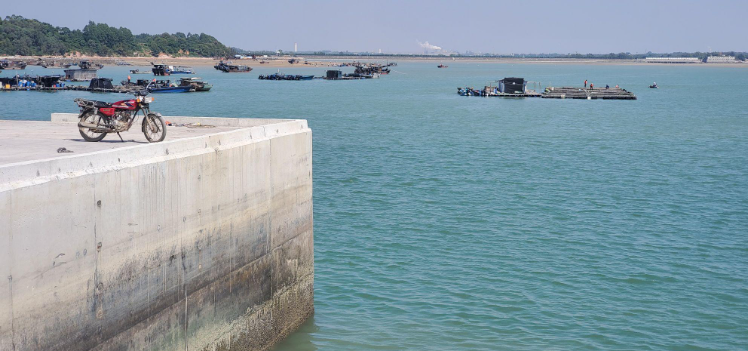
(36, 140)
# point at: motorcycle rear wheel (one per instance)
(87, 133)
(154, 128)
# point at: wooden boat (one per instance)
(181, 70)
(179, 89)
(196, 84)
(164, 86)
(85, 64)
(160, 70)
(5, 64)
(228, 68)
(469, 92)
(281, 76)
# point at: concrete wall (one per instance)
(203, 243)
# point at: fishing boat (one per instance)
(165, 86)
(5, 64)
(137, 71)
(229, 68)
(281, 76)
(469, 92)
(181, 70)
(178, 89)
(442, 66)
(85, 64)
(195, 83)
(160, 70)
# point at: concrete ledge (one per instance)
(65, 165)
(198, 243)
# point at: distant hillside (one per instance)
(28, 37)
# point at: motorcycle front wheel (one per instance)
(154, 128)
(90, 118)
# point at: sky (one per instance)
(502, 27)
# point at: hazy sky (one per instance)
(540, 26)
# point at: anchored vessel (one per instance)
(229, 68)
(281, 76)
(517, 87)
(5, 64)
(165, 70)
(195, 84)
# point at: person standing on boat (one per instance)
(592, 86)
(585, 83)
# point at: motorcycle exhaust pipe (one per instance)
(95, 128)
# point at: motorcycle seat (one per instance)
(102, 104)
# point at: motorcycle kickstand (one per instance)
(120, 137)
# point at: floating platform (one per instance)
(554, 93)
(491, 91)
(588, 94)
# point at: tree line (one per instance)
(29, 37)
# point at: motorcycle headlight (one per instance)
(147, 99)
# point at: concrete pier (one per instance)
(201, 242)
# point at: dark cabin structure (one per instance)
(512, 86)
(48, 81)
(101, 83)
(334, 74)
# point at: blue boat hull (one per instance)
(170, 90)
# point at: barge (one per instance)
(517, 87)
(281, 76)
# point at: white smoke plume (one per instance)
(428, 46)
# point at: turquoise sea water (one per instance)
(461, 223)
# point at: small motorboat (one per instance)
(653, 86)
(165, 86)
(195, 83)
(469, 92)
(229, 68)
(442, 66)
(137, 71)
(181, 70)
(180, 89)
(281, 76)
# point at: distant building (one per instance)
(721, 59)
(672, 59)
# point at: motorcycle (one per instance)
(98, 118)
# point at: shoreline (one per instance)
(334, 61)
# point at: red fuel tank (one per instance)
(125, 105)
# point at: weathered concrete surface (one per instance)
(198, 243)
